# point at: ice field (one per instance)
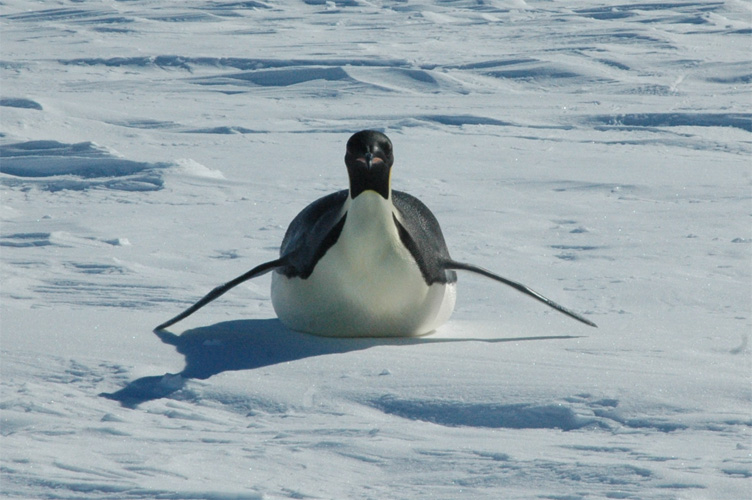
(596, 151)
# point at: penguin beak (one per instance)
(370, 161)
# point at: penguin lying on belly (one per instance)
(365, 262)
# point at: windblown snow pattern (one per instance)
(596, 151)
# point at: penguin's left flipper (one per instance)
(461, 266)
(221, 289)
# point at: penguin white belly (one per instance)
(366, 285)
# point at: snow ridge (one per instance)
(597, 151)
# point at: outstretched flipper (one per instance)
(221, 289)
(461, 266)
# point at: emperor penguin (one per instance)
(367, 261)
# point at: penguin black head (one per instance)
(369, 160)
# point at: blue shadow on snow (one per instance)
(250, 344)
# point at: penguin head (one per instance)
(369, 160)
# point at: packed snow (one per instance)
(596, 151)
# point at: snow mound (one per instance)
(18, 102)
(195, 169)
(53, 166)
(489, 415)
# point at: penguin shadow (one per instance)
(250, 344)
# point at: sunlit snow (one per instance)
(596, 151)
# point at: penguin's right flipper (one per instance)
(222, 289)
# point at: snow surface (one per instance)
(597, 151)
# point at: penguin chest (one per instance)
(369, 268)
(367, 283)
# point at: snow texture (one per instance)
(596, 151)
